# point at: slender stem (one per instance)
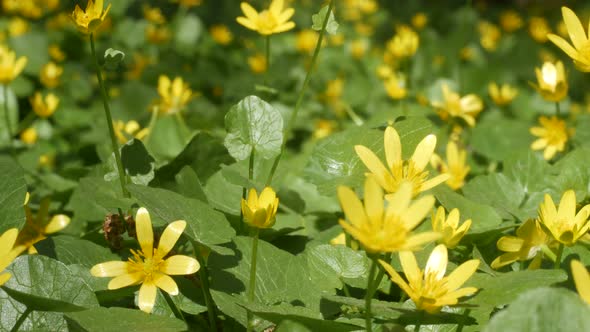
(557, 264)
(291, 122)
(107, 112)
(345, 288)
(7, 117)
(175, 310)
(557, 109)
(205, 287)
(548, 252)
(267, 73)
(252, 285)
(381, 273)
(241, 225)
(152, 124)
(369, 295)
(21, 320)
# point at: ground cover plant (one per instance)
(275, 165)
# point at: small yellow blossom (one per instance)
(510, 21)
(17, 27)
(429, 289)
(56, 53)
(273, 20)
(581, 280)
(395, 86)
(87, 21)
(44, 107)
(404, 44)
(564, 224)
(126, 131)
(29, 136)
(449, 226)
(306, 40)
(364, 29)
(337, 39)
(419, 21)
(257, 63)
(221, 34)
(526, 245)
(553, 135)
(323, 128)
(502, 95)
(467, 53)
(539, 29)
(384, 71)
(455, 106)
(50, 75)
(10, 66)
(397, 171)
(189, 3)
(580, 51)
(7, 253)
(153, 14)
(157, 34)
(368, 7)
(358, 48)
(490, 35)
(552, 82)
(38, 226)
(148, 266)
(379, 229)
(456, 166)
(260, 211)
(174, 95)
(46, 160)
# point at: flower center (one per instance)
(147, 266)
(267, 22)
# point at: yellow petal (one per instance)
(505, 259)
(171, 234)
(563, 45)
(180, 265)
(125, 280)
(7, 241)
(166, 283)
(147, 297)
(410, 267)
(267, 197)
(567, 207)
(276, 6)
(373, 201)
(415, 242)
(284, 27)
(396, 278)
(374, 165)
(249, 11)
(4, 278)
(510, 243)
(581, 279)
(574, 28)
(460, 275)
(57, 223)
(247, 23)
(400, 200)
(352, 206)
(286, 15)
(424, 151)
(109, 269)
(393, 146)
(435, 181)
(453, 297)
(253, 199)
(145, 233)
(164, 86)
(417, 211)
(437, 262)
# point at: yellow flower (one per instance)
(581, 279)
(404, 44)
(323, 128)
(306, 40)
(453, 105)
(449, 227)
(526, 245)
(429, 289)
(257, 63)
(395, 86)
(38, 226)
(174, 95)
(148, 266)
(269, 21)
(552, 83)
(380, 229)
(358, 48)
(456, 166)
(221, 34)
(50, 75)
(553, 135)
(564, 224)
(129, 130)
(29, 136)
(503, 94)
(157, 34)
(384, 71)
(490, 35)
(87, 21)
(17, 27)
(44, 107)
(539, 29)
(419, 21)
(7, 253)
(188, 3)
(10, 67)
(260, 212)
(153, 14)
(397, 170)
(580, 51)
(56, 53)
(467, 53)
(510, 21)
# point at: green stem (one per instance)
(381, 273)
(107, 112)
(345, 288)
(557, 264)
(369, 295)
(252, 285)
(175, 310)
(205, 287)
(548, 252)
(291, 122)
(152, 124)
(267, 73)
(7, 118)
(21, 320)
(557, 109)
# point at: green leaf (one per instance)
(12, 195)
(121, 319)
(498, 191)
(95, 198)
(331, 264)
(72, 250)
(189, 184)
(112, 58)
(253, 124)
(138, 164)
(29, 45)
(497, 137)
(11, 310)
(38, 282)
(204, 224)
(5, 138)
(543, 310)
(319, 18)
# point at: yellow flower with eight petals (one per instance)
(148, 266)
(455, 106)
(87, 21)
(553, 135)
(397, 170)
(44, 107)
(449, 226)
(563, 223)
(456, 166)
(7, 253)
(10, 66)
(580, 51)
(260, 211)
(526, 245)
(429, 289)
(581, 279)
(269, 21)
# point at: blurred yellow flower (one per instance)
(419, 21)
(44, 107)
(29, 136)
(358, 48)
(539, 29)
(404, 44)
(257, 63)
(273, 20)
(552, 83)
(139, 64)
(157, 34)
(188, 3)
(305, 40)
(148, 266)
(56, 53)
(174, 95)
(429, 289)
(17, 27)
(397, 171)
(153, 14)
(564, 224)
(467, 53)
(38, 226)
(7, 253)
(379, 229)
(490, 35)
(323, 128)
(10, 66)
(526, 245)
(510, 21)
(87, 21)
(581, 280)
(502, 95)
(221, 34)
(553, 135)
(455, 106)
(126, 131)
(395, 86)
(456, 166)
(260, 211)
(580, 51)
(449, 227)
(50, 75)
